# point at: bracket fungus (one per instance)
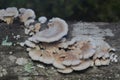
(57, 28)
(75, 55)
(42, 19)
(83, 65)
(26, 14)
(79, 53)
(32, 27)
(9, 14)
(48, 46)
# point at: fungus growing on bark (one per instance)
(86, 49)
(65, 71)
(42, 19)
(27, 14)
(32, 27)
(57, 28)
(103, 49)
(83, 65)
(70, 59)
(22, 10)
(28, 22)
(37, 27)
(99, 62)
(41, 55)
(29, 43)
(9, 14)
(80, 53)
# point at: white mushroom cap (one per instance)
(84, 49)
(9, 14)
(42, 19)
(41, 55)
(99, 62)
(58, 65)
(66, 70)
(22, 10)
(27, 31)
(57, 29)
(29, 13)
(12, 11)
(102, 50)
(29, 43)
(58, 62)
(37, 27)
(70, 59)
(46, 57)
(87, 50)
(105, 62)
(83, 65)
(27, 23)
(35, 54)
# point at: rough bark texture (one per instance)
(9, 70)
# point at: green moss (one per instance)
(29, 67)
(5, 42)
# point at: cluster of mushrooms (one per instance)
(50, 46)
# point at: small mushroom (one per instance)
(37, 27)
(102, 50)
(28, 22)
(29, 43)
(46, 57)
(105, 62)
(65, 71)
(58, 62)
(34, 54)
(28, 14)
(42, 19)
(22, 10)
(71, 59)
(57, 29)
(33, 28)
(83, 65)
(87, 49)
(12, 10)
(27, 31)
(9, 14)
(99, 62)
(41, 55)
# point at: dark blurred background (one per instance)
(84, 10)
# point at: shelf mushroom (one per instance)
(42, 19)
(65, 71)
(83, 65)
(26, 14)
(42, 56)
(32, 27)
(57, 28)
(9, 14)
(103, 50)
